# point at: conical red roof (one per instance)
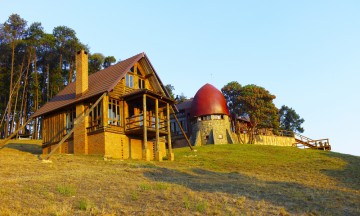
(209, 100)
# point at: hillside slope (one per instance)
(214, 180)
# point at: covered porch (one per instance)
(147, 117)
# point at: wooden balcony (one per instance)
(135, 125)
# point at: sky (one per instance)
(307, 53)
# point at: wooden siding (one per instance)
(154, 84)
(118, 90)
(121, 88)
(54, 128)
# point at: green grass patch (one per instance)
(66, 190)
(85, 205)
(145, 187)
(201, 206)
(134, 195)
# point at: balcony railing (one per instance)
(137, 122)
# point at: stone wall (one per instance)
(96, 143)
(213, 131)
(116, 145)
(136, 149)
(112, 145)
(266, 140)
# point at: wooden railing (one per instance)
(94, 128)
(300, 140)
(137, 122)
(321, 144)
(110, 128)
(270, 132)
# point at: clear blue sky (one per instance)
(307, 53)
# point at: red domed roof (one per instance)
(209, 100)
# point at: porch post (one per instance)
(158, 155)
(105, 111)
(146, 151)
(170, 153)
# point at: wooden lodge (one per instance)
(122, 112)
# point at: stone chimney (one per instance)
(81, 72)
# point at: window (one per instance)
(141, 83)
(70, 117)
(138, 71)
(204, 118)
(114, 112)
(129, 80)
(218, 117)
(173, 127)
(95, 116)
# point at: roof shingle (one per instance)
(99, 82)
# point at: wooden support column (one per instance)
(105, 110)
(158, 154)
(146, 151)
(170, 153)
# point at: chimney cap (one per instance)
(78, 52)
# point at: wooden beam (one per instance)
(145, 146)
(78, 120)
(182, 130)
(170, 154)
(3, 143)
(157, 124)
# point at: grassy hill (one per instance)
(214, 180)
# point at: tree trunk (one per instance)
(23, 100)
(252, 134)
(14, 113)
(17, 89)
(70, 73)
(47, 84)
(36, 104)
(10, 92)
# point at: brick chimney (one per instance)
(81, 72)
(80, 133)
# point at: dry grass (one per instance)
(215, 180)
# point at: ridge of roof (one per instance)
(160, 82)
(99, 82)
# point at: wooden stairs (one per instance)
(320, 144)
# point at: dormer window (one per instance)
(129, 80)
(141, 83)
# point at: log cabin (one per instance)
(125, 111)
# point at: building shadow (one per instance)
(295, 198)
(28, 148)
(349, 176)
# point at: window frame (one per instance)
(70, 117)
(129, 80)
(114, 112)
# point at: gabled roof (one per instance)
(99, 83)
